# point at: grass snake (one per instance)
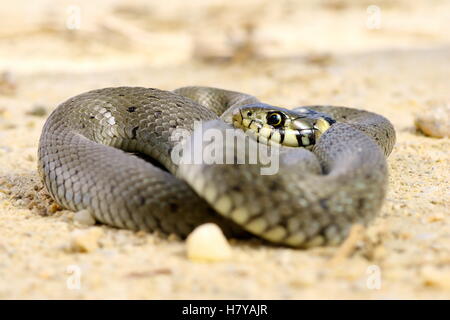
(108, 151)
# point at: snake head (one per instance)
(274, 125)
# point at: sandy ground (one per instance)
(383, 56)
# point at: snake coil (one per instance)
(85, 163)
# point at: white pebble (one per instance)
(85, 240)
(84, 217)
(435, 122)
(207, 244)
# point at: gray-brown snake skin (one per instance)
(312, 200)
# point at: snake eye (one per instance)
(249, 113)
(275, 119)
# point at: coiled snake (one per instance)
(315, 196)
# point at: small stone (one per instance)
(54, 207)
(208, 244)
(8, 84)
(85, 240)
(435, 122)
(84, 217)
(173, 237)
(37, 111)
(435, 217)
(433, 276)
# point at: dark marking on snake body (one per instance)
(282, 133)
(157, 113)
(323, 203)
(134, 132)
(173, 207)
(361, 202)
(298, 136)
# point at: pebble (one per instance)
(207, 243)
(434, 276)
(84, 217)
(85, 240)
(54, 207)
(8, 83)
(37, 111)
(436, 121)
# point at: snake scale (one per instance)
(108, 151)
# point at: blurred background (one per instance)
(178, 42)
(294, 50)
(46, 35)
